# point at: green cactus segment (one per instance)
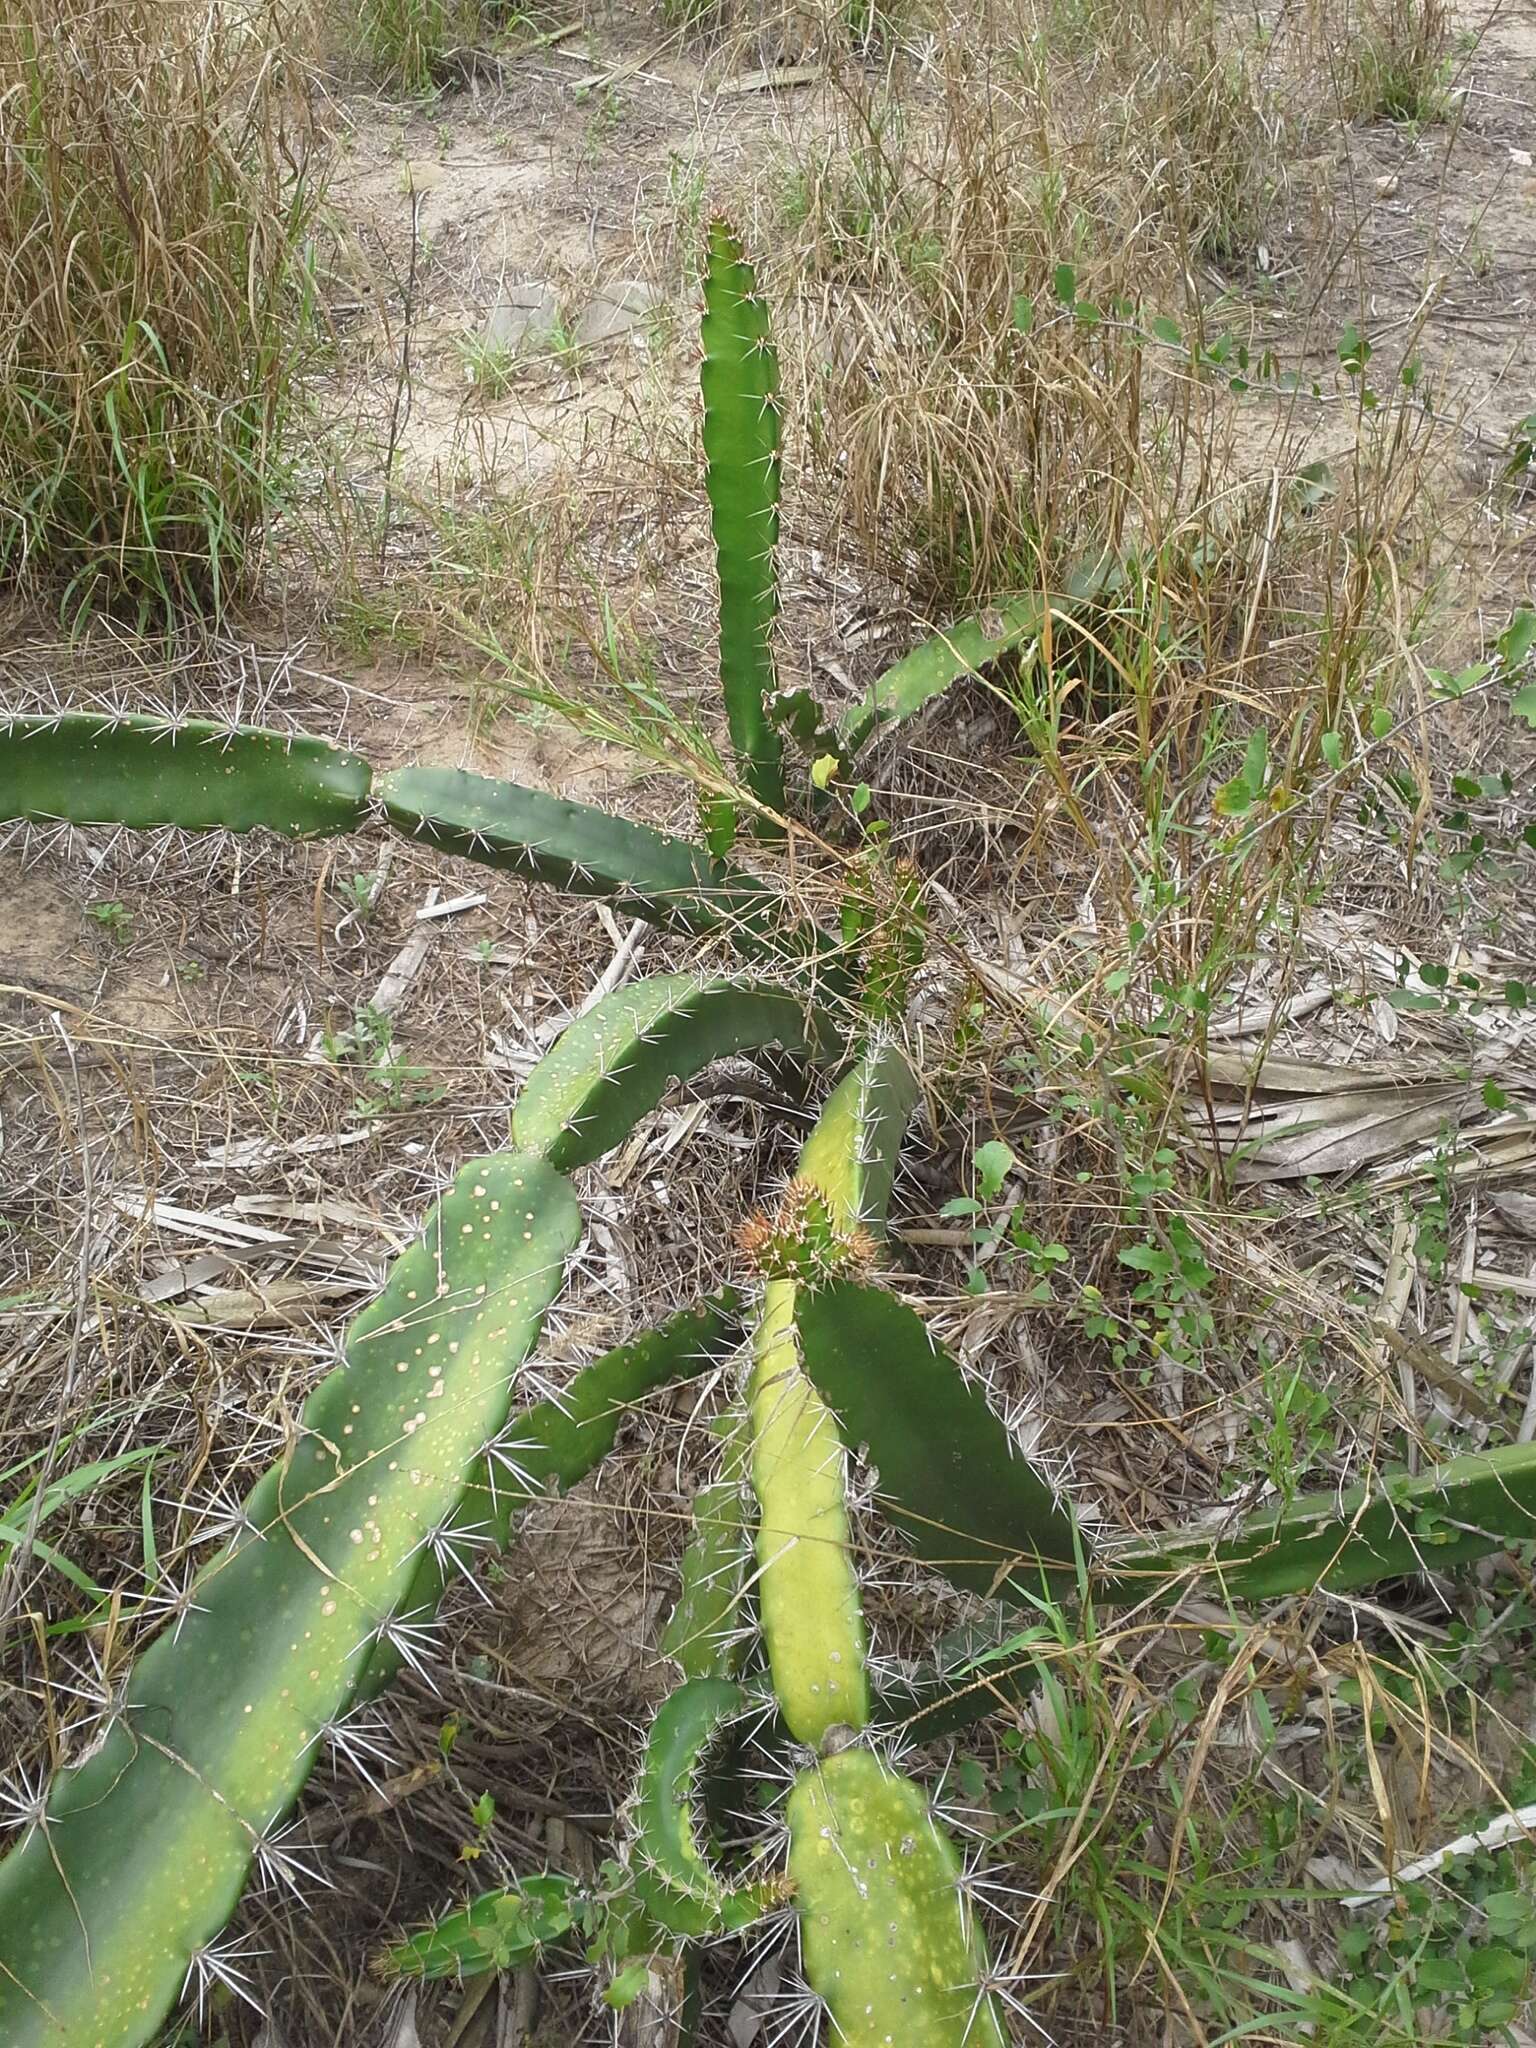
(950, 1473)
(675, 1882)
(498, 1931)
(1399, 1524)
(885, 1937)
(851, 1154)
(574, 847)
(612, 1065)
(931, 669)
(559, 1442)
(222, 1716)
(702, 1635)
(740, 379)
(975, 1671)
(90, 769)
(808, 1595)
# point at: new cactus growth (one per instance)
(677, 1885)
(951, 1474)
(885, 1933)
(498, 1931)
(90, 768)
(145, 1845)
(612, 1065)
(702, 1635)
(808, 1593)
(740, 380)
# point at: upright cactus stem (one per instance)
(740, 380)
(885, 1934)
(808, 1593)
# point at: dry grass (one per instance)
(156, 198)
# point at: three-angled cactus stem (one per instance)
(679, 1887)
(740, 380)
(502, 1930)
(121, 768)
(221, 1719)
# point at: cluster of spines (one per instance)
(802, 1239)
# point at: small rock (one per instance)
(523, 317)
(616, 311)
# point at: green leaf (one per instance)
(1023, 313)
(626, 1985)
(993, 1163)
(823, 768)
(1332, 749)
(1523, 704)
(1518, 638)
(1064, 282)
(1167, 331)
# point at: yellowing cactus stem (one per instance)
(885, 1934)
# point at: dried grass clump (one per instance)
(157, 192)
(975, 244)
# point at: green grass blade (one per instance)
(90, 769)
(145, 1846)
(952, 1477)
(608, 1068)
(1398, 1524)
(740, 379)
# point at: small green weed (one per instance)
(116, 919)
(389, 1080)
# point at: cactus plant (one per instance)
(573, 846)
(614, 1063)
(952, 1476)
(1397, 1524)
(499, 1930)
(884, 1929)
(807, 1589)
(559, 1441)
(676, 1883)
(222, 1717)
(703, 1635)
(740, 380)
(91, 768)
